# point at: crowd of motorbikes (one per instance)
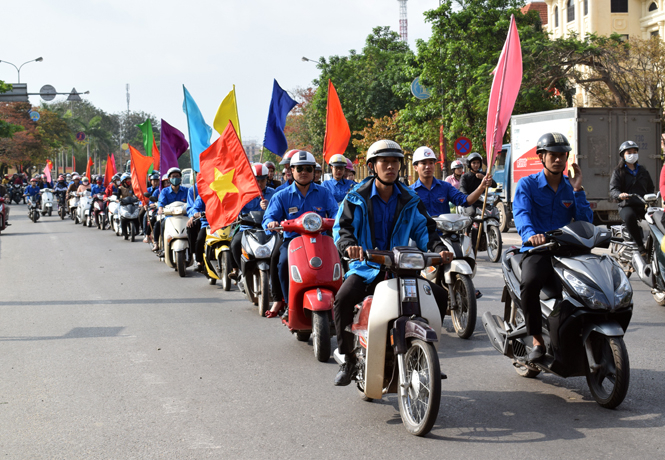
(586, 308)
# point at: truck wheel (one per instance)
(504, 220)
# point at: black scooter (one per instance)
(586, 308)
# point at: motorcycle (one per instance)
(217, 256)
(456, 277)
(99, 211)
(313, 283)
(490, 235)
(652, 270)
(177, 253)
(257, 249)
(113, 214)
(16, 194)
(62, 203)
(47, 202)
(586, 308)
(4, 214)
(395, 338)
(83, 209)
(73, 206)
(129, 217)
(33, 209)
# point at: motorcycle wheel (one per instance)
(264, 293)
(503, 216)
(61, 211)
(419, 402)
(181, 263)
(609, 384)
(494, 243)
(464, 316)
(33, 216)
(132, 230)
(50, 211)
(659, 297)
(303, 336)
(321, 335)
(226, 268)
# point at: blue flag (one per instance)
(280, 106)
(199, 131)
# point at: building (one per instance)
(629, 18)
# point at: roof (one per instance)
(540, 7)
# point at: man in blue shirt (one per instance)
(338, 186)
(300, 197)
(543, 202)
(33, 192)
(380, 213)
(169, 195)
(195, 230)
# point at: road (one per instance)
(107, 353)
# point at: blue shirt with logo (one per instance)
(168, 196)
(95, 189)
(384, 216)
(437, 199)
(339, 188)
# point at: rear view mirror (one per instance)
(153, 199)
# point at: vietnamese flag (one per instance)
(338, 133)
(87, 169)
(226, 182)
(140, 166)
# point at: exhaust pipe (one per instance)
(494, 331)
(642, 269)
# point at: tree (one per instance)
(24, 147)
(7, 129)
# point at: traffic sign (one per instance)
(419, 91)
(125, 146)
(80, 136)
(462, 146)
(47, 92)
(74, 96)
(34, 115)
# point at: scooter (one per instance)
(217, 256)
(129, 217)
(62, 203)
(396, 338)
(99, 211)
(73, 206)
(47, 202)
(177, 253)
(113, 214)
(490, 235)
(457, 276)
(586, 308)
(17, 194)
(83, 209)
(33, 209)
(4, 214)
(315, 276)
(257, 249)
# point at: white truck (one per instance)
(595, 135)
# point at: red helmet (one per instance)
(260, 171)
(61, 177)
(286, 159)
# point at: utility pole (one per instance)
(403, 23)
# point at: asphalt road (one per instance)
(105, 353)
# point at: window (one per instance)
(619, 6)
(624, 37)
(556, 16)
(570, 10)
(654, 34)
(586, 7)
(653, 7)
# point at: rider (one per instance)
(456, 176)
(379, 213)
(98, 186)
(287, 177)
(318, 172)
(543, 202)
(153, 190)
(60, 185)
(261, 173)
(32, 191)
(125, 189)
(350, 172)
(175, 192)
(84, 186)
(289, 203)
(471, 179)
(338, 186)
(630, 178)
(112, 188)
(195, 229)
(272, 182)
(76, 181)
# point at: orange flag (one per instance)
(155, 156)
(108, 172)
(87, 169)
(338, 133)
(73, 163)
(140, 166)
(226, 182)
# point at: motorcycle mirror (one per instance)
(153, 199)
(146, 194)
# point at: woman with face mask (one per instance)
(629, 178)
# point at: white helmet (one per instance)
(337, 160)
(75, 176)
(303, 157)
(384, 148)
(456, 164)
(172, 170)
(260, 171)
(423, 153)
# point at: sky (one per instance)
(207, 45)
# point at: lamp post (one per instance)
(18, 69)
(304, 59)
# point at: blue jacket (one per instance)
(354, 224)
(32, 191)
(198, 206)
(437, 199)
(339, 188)
(284, 185)
(255, 205)
(289, 203)
(95, 189)
(538, 209)
(166, 196)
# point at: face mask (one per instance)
(175, 180)
(631, 158)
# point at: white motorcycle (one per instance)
(73, 204)
(83, 209)
(113, 213)
(47, 202)
(177, 253)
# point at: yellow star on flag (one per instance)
(223, 184)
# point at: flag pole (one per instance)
(496, 127)
(235, 103)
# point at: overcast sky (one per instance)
(156, 46)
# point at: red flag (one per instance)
(73, 163)
(87, 169)
(226, 182)
(108, 171)
(337, 129)
(505, 87)
(140, 165)
(155, 155)
(115, 170)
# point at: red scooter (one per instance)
(315, 276)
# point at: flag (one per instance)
(139, 169)
(226, 182)
(47, 171)
(228, 111)
(199, 131)
(108, 171)
(149, 144)
(280, 106)
(338, 133)
(505, 87)
(73, 163)
(87, 168)
(115, 170)
(173, 145)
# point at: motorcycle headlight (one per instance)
(312, 222)
(411, 261)
(177, 212)
(592, 297)
(453, 226)
(262, 252)
(623, 291)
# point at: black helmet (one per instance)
(628, 145)
(154, 176)
(474, 156)
(553, 142)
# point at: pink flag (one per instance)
(506, 85)
(47, 173)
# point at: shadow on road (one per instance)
(76, 333)
(187, 301)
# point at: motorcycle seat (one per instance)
(515, 264)
(658, 219)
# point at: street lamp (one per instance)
(304, 59)
(18, 69)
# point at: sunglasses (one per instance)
(308, 169)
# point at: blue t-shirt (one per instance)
(198, 206)
(255, 204)
(168, 196)
(384, 216)
(95, 189)
(438, 198)
(339, 188)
